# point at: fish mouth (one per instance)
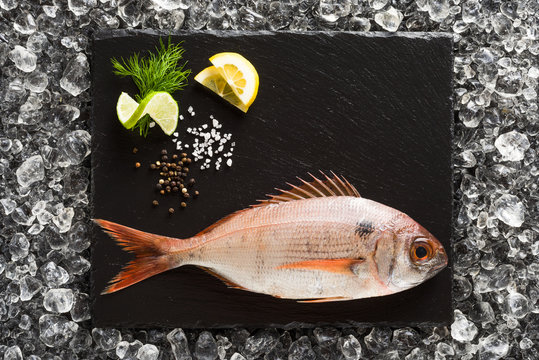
(441, 256)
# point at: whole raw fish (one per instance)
(316, 242)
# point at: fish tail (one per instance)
(151, 254)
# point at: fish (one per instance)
(319, 241)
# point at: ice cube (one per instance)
(58, 300)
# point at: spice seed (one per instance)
(137, 164)
(135, 150)
(171, 211)
(155, 203)
(183, 204)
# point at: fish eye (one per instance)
(420, 251)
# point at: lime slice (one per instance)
(240, 74)
(161, 107)
(211, 78)
(125, 107)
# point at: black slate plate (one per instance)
(375, 108)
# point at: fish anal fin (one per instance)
(338, 266)
(328, 186)
(227, 282)
(324, 300)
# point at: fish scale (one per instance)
(318, 242)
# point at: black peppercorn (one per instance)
(164, 152)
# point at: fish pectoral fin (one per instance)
(227, 282)
(323, 300)
(338, 266)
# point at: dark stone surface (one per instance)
(374, 108)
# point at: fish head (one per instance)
(419, 256)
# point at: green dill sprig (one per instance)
(158, 71)
(143, 125)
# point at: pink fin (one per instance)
(334, 186)
(150, 251)
(227, 282)
(323, 300)
(338, 266)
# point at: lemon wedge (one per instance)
(211, 78)
(238, 73)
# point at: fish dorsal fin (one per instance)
(328, 186)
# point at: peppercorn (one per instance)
(175, 189)
(164, 152)
(153, 166)
(161, 181)
(164, 158)
(165, 169)
(183, 155)
(155, 203)
(185, 169)
(183, 204)
(166, 182)
(196, 193)
(184, 190)
(168, 188)
(158, 163)
(184, 160)
(135, 150)
(180, 164)
(191, 182)
(171, 211)
(186, 195)
(188, 160)
(162, 192)
(137, 164)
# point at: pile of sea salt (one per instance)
(211, 144)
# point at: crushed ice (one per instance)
(44, 179)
